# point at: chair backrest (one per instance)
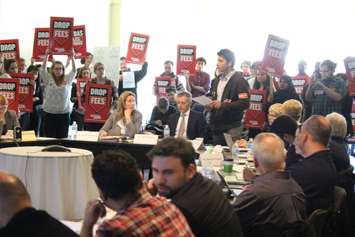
(339, 198)
(319, 219)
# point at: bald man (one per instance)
(316, 173)
(19, 218)
(274, 197)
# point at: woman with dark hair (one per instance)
(36, 115)
(56, 106)
(10, 66)
(286, 91)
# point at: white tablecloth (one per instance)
(58, 182)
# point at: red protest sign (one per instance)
(350, 73)
(275, 55)
(97, 102)
(161, 86)
(186, 59)
(10, 49)
(80, 87)
(25, 91)
(137, 48)
(61, 35)
(299, 82)
(9, 88)
(40, 43)
(79, 41)
(255, 116)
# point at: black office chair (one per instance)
(341, 221)
(320, 220)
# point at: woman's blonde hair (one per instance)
(293, 108)
(3, 100)
(276, 108)
(121, 104)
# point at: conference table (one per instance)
(58, 182)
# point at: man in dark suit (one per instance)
(187, 123)
(19, 218)
(230, 97)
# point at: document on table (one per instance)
(202, 100)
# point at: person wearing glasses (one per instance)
(8, 118)
(57, 91)
(326, 94)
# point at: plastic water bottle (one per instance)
(235, 151)
(74, 130)
(250, 143)
(166, 131)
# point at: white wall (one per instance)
(317, 30)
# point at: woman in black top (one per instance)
(286, 91)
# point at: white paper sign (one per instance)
(128, 80)
(211, 159)
(87, 136)
(145, 139)
(202, 100)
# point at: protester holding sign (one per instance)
(77, 114)
(126, 120)
(326, 95)
(36, 115)
(199, 83)
(10, 66)
(124, 75)
(56, 106)
(286, 91)
(3, 74)
(168, 72)
(100, 78)
(8, 118)
(301, 79)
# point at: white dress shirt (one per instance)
(222, 84)
(187, 114)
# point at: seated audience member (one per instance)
(275, 111)
(126, 120)
(137, 212)
(286, 91)
(19, 218)
(186, 123)
(274, 198)
(293, 108)
(285, 127)
(316, 173)
(337, 141)
(201, 200)
(161, 112)
(8, 118)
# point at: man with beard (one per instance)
(201, 200)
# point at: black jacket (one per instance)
(138, 76)
(195, 124)
(31, 222)
(316, 175)
(230, 115)
(206, 209)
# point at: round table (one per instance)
(58, 182)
